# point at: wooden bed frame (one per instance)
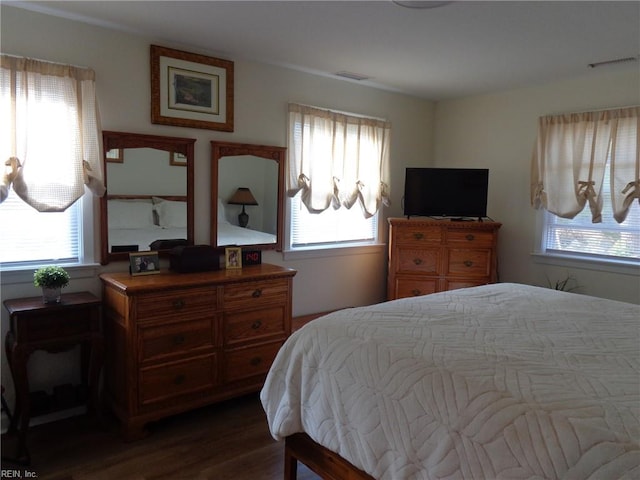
(329, 465)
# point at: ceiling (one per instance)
(459, 49)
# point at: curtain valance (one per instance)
(570, 158)
(336, 159)
(50, 131)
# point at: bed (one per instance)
(137, 221)
(498, 381)
(230, 234)
(234, 235)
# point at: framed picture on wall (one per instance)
(191, 90)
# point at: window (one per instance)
(42, 237)
(330, 227)
(605, 240)
(585, 175)
(337, 177)
(49, 134)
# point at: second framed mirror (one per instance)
(247, 195)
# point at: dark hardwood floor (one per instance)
(229, 440)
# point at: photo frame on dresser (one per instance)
(144, 263)
(233, 257)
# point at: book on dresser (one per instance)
(429, 255)
(177, 341)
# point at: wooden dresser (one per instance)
(428, 256)
(176, 341)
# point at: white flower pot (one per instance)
(51, 295)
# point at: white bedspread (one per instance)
(501, 381)
(233, 235)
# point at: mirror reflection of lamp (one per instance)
(243, 196)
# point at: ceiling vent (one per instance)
(352, 76)
(424, 5)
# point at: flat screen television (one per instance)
(446, 192)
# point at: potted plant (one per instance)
(51, 279)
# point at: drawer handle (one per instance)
(255, 361)
(179, 380)
(178, 339)
(256, 325)
(417, 261)
(257, 293)
(416, 292)
(178, 304)
(418, 236)
(470, 237)
(468, 263)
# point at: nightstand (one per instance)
(57, 327)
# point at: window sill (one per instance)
(621, 267)
(326, 252)
(19, 275)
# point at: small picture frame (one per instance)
(178, 159)
(144, 263)
(115, 155)
(233, 257)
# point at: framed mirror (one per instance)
(149, 199)
(247, 195)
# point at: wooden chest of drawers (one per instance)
(428, 256)
(179, 341)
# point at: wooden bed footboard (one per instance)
(329, 465)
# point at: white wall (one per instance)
(498, 132)
(121, 62)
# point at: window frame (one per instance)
(86, 244)
(542, 256)
(335, 249)
(291, 201)
(545, 218)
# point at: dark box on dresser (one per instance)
(195, 258)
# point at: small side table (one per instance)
(54, 328)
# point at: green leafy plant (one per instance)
(51, 277)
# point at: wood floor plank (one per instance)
(229, 440)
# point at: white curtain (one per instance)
(336, 159)
(570, 158)
(50, 137)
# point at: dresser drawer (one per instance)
(247, 362)
(413, 287)
(425, 261)
(471, 238)
(185, 303)
(168, 380)
(254, 324)
(417, 236)
(252, 294)
(469, 262)
(158, 341)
